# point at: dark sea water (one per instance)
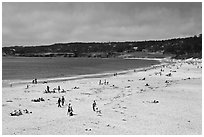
(25, 68)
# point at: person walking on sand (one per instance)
(70, 110)
(59, 101)
(63, 100)
(36, 81)
(94, 105)
(48, 89)
(58, 88)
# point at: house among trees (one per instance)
(145, 50)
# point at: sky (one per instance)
(32, 24)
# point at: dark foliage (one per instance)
(181, 47)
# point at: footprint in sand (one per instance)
(127, 87)
(4, 105)
(96, 123)
(129, 94)
(108, 125)
(141, 90)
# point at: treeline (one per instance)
(180, 47)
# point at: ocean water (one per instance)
(27, 68)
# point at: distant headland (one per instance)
(179, 48)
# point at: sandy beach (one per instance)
(164, 100)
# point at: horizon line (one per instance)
(102, 41)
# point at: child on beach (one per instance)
(94, 105)
(70, 110)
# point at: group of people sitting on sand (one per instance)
(53, 91)
(104, 83)
(19, 112)
(38, 100)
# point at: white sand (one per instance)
(126, 107)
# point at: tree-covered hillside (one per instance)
(180, 47)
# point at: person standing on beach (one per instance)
(59, 101)
(94, 105)
(63, 100)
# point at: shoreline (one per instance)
(157, 59)
(19, 82)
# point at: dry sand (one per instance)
(126, 104)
